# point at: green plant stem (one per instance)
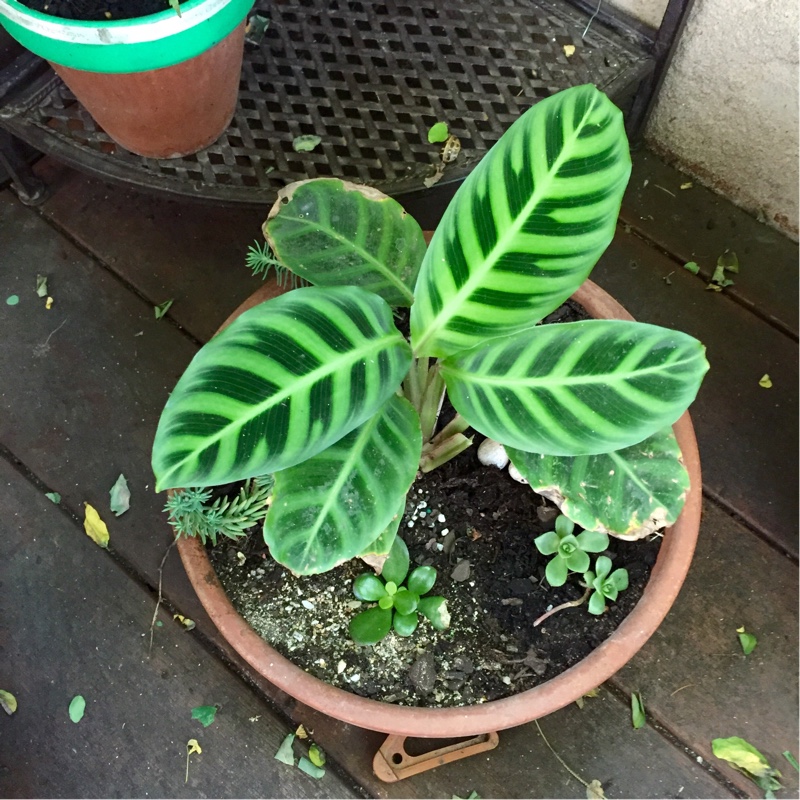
(456, 425)
(160, 596)
(570, 604)
(560, 760)
(431, 403)
(440, 454)
(414, 384)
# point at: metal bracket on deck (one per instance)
(392, 763)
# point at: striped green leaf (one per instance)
(526, 227)
(284, 381)
(334, 233)
(628, 493)
(377, 551)
(576, 388)
(329, 508)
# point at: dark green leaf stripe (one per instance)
(330, 508)
(334, 233)
(526, 227)
(287, 379)
(576, 388)
(628, 493)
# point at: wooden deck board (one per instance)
(693, 675)
(695, 224)
(72, 622)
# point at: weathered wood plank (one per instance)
(693, 675)
(747, 434)
(72, 622)
(696, 224)
(192, 253)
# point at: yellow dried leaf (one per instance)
(48, 304)
(192, 746)
(301, 732)
(185, 621)
(687, 185)
(765, 382)
(594, 791)
(569, 50)
(95, 528)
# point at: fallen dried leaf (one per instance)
(95, 528)
(569, 50)
(77, 708)
(162, 308)
(431, 180)
(8, 702)
(205, 715)
(594, 791)
(120, 496)
(192, 746)
(285, 754)
(765, 382)
(438, 132)
(305, 144)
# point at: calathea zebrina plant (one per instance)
(319, 387)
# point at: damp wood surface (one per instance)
(81, 406)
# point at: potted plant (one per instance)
(319, 388)
(162, 85)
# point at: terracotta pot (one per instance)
(163, 85)
(168, 112)
(665, 581)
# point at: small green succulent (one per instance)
(398, 606)
(570, 552)
(606, 584)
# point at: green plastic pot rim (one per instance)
(128, 45)
(118, 31)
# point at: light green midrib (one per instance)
(305, 383)
(344, 471)
(615, 458)
(381, 268)
(476, 277)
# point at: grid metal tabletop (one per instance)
(368, 78)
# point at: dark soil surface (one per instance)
(476, 526)
(97, 10)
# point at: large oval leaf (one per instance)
(285, 380)
(334, 233)
(328, 509)
(629, 493)
(526, 227)
(576, 388)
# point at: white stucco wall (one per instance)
(728, 110)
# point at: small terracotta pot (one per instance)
(168, 112)
(665, 581)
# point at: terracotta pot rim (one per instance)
(665, 582)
